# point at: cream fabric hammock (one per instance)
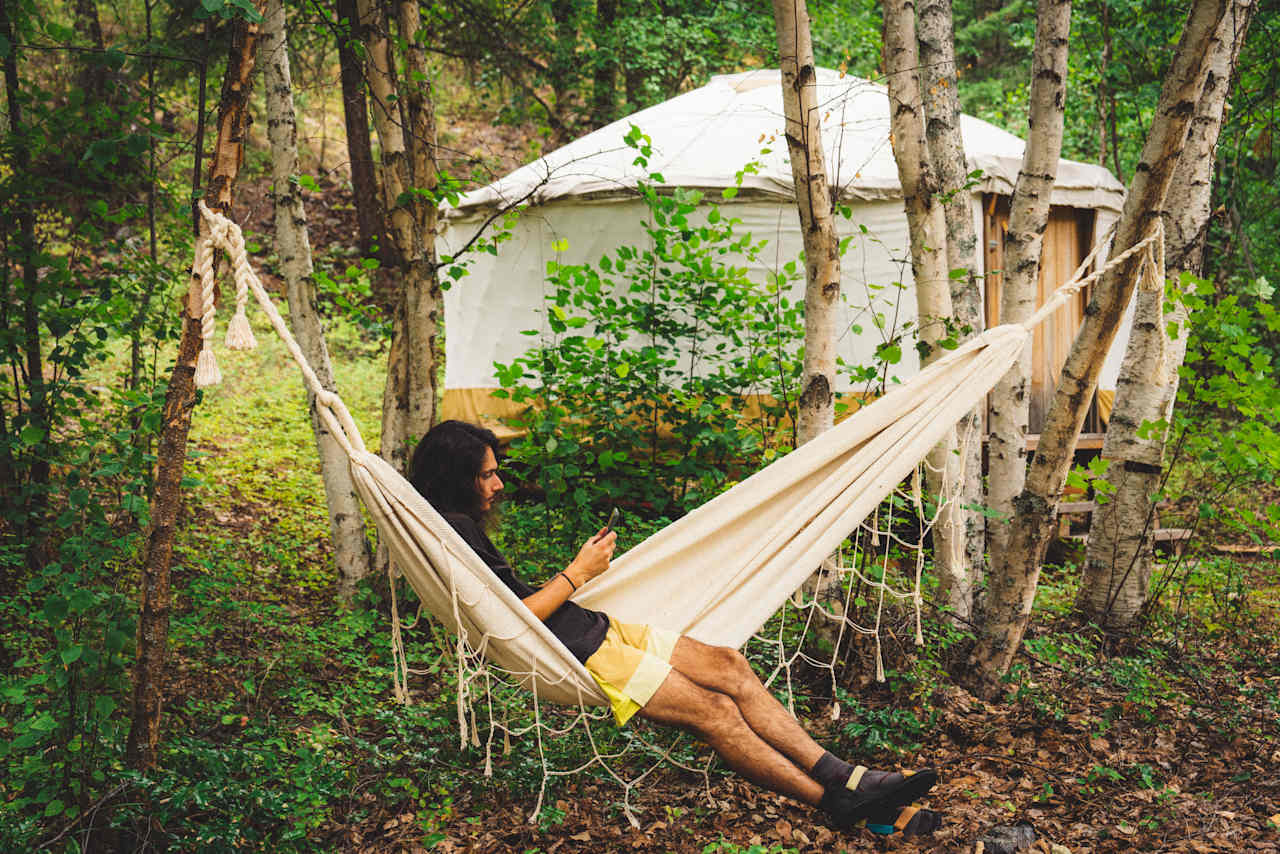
(718, 573)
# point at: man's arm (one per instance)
(593, 558)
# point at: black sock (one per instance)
(831, 771)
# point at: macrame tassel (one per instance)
(1148, 279)
(207, 372)
(488, 762)
(239, 335)
(835, 711)
(879, 661)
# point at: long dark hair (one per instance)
(446, 463)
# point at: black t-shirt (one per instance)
(578, 628)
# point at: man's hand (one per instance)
(593, 558)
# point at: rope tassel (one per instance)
(207, 372)
(239, 334)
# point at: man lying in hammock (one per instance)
(711, 691)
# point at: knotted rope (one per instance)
(218, 232)
(1153, 266)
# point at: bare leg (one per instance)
(716, 719)
(726, 671)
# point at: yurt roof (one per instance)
(702, 138)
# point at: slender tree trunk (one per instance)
(90, 76)
(927, 225)
(604, 85)
(1015, 572)
(816, 401)
(936, 36)
(562, 67)
(408, 170)
(364, 183)
(1104, 86)
(1119, 558)
(351, 551)
(817, 224)
(153, 621)
(37, 497)
(1023, 243)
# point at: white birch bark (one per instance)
(1120, 553)
(1023, 243)
(405, 124)
(927, 225)
(936, 37)
(816, 405)
(351, 551)
(1015, 573)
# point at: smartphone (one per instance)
(613, 520)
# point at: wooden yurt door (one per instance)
(1067, 242)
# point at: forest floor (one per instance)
(1166, 743)
(1172, 744)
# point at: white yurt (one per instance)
(582, 199)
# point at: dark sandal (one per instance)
(910, 821)
(846, 806)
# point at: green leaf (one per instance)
(44, 723)
(561, 245)
(889, 352)
(1261, 288)
(55, 608)
(31, 435)
(104, 705)
(71, 654)
(54, 807)
(116, 640)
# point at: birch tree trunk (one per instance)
(816, 409)
(355, 114)
(927, 225)
(936, 38)
(351, 552)
(1015, 572)
(180, 399)
(408, 177)
(1023, 242)
(1120, 554)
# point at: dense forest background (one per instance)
(279, 730)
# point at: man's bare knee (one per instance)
(719, 715)
(680, 702)
(739, 677)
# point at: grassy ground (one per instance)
(281, 731)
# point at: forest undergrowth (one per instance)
(281, 731)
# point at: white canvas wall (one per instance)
(487, 310)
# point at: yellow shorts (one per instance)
(630, 665)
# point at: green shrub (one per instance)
(643, 392)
